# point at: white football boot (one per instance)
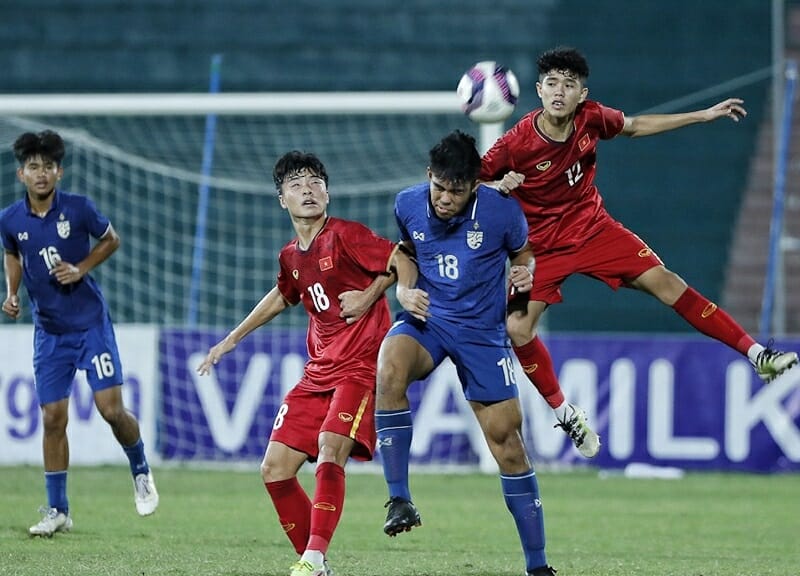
(52, 521)
(145, 494)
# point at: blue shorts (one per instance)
(482, 357)
(56, 358)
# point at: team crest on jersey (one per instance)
(325, 263)
(542, 166)
(62, 227)
(474, 238)
(584, 142)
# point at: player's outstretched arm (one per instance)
(13, 268)
(272, 304)
(649, 124)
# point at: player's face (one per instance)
(304, 194)
(561, 91)
(39, 175)
(449, 198)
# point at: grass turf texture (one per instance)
(213, 522)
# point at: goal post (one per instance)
(231, 103)
(140, 158)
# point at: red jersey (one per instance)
(559, 197)
(344, 256)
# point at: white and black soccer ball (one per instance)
(488, 92)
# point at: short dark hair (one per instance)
(294, 162)
(47, 144)
(455, 158)
(563, 58)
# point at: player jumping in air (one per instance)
(462, 235)
(47, 240)
(549, 162)
(338, 270)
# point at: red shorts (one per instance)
(615, 255)
(348, 409)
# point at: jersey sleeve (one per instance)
(96, 223)
(286, 285)
(9, 243)
(369, 250)
(496, 162)
(401, 225)
(610, 121)
(517, 229)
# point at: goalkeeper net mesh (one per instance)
(200, 241)
(186, 260)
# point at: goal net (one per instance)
(201, 235)
(186, 181)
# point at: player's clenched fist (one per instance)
(11, 306)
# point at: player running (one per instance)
(47, 237)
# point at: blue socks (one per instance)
(136, 458)
(56, 485)
(521, 493)
(394, 444)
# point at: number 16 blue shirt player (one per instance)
(47, 245)
(462, 235)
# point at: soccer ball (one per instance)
(488, 92)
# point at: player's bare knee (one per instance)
(519, 328)
(273, 470)
(392, 380)
(54, 421)
(268, 471)
(112, 413)
(511, 457)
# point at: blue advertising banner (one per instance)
(687, 402)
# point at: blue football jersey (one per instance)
(65, 234)
(462, 261)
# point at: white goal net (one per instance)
(187, 183)
(200, 245)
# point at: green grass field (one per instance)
(221, 522)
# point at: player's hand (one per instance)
(354, 305)
(66, 273)
(11, 306)
(509, 182)
(214, 354)
(521, 279)
(732, 108)
(415, 302)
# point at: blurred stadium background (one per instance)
(701, 196)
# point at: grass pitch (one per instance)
(213, 522)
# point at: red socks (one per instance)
(310, 525)
(294, 510)
(712, 321)
(326, 509)
(538, 367)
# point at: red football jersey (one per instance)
(559, 197)
(344, 256)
